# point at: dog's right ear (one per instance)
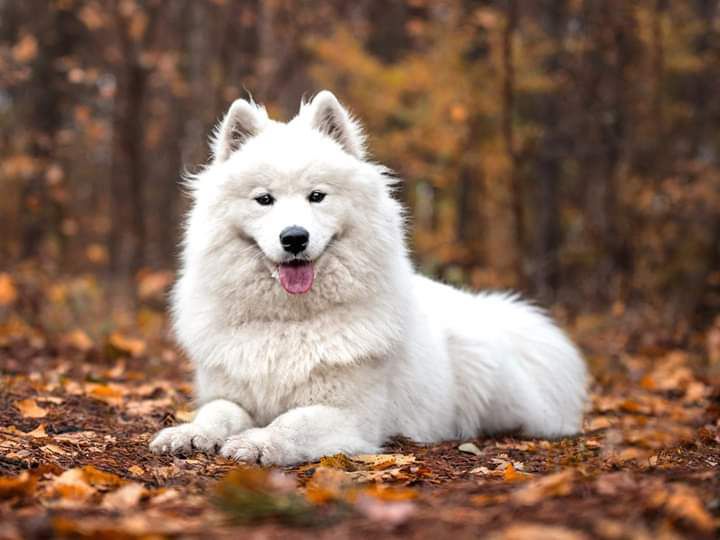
(243, 121)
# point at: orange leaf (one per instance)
(510, 474)
(125, 497)
(21, 485)
(554, 485)
(79, 340)
(126, 345)
(389, 493)
(326, 485)
(30, 409)
(8, 292)
(26, 49)
(38, 433)
(684, 504)
(111, 394)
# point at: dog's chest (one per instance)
(267, 396)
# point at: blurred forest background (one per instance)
(566, 148)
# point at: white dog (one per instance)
(310, 332)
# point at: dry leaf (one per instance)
(153, 284)
(554, 485)
(8, 292)
(96, 477)
(470, 448)
(112, 394)
(30, 409)
(683, 503)
(326, 485)
(599, 422)
(184, 415)
(78, 340)
(511, 474)
(388, 514)
(384, 461)
(534, 531)
(389, 493)
(22, 485)
(26, 49)
(54, 449)
(338, 461)
(126, 345)
(72, 486)
(38, 433)
(127, 496)
(136, 470)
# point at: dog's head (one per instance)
(291, 214)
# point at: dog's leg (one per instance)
(305, 434)
(212, 425)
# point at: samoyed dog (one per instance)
(310, 332)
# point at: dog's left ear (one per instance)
(332, 119)
(243, 121)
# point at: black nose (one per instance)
(294, 239)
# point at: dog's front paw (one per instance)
(258, 445)
(186, 438)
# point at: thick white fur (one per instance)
(373, 350)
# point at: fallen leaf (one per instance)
(112, 394)
(125, 497)
(387, 514)
(389, 493)
(327, 484)
(599, 422)
(136, 470)
(536, 531)
(251, 495)
(554, 485)
(384, 461)
(25, 49)
(684, 504)
(470, 448)
(72, 487)
(614, 483)
(22, 485)
(153, 284)
(54, 449)
(164, 495)
(8, 292)
(38, 433)
(75, 437)
(511, 474)
(338, 461)
(79, 340)
(185, 415)
(30, 409)
(97, 478)
(121, 344)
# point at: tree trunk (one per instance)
(508, 106)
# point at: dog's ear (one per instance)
(243, 121)
(331, 118)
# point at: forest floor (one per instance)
(76, 417)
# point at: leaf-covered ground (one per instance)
(76, 415)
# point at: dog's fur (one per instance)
(373, 349)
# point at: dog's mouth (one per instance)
(296, 276)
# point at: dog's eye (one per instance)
(265, 199)
(316, 196)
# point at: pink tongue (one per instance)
(297, 278)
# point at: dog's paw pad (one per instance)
(184, 439)
(238, 449)
(257, 445)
